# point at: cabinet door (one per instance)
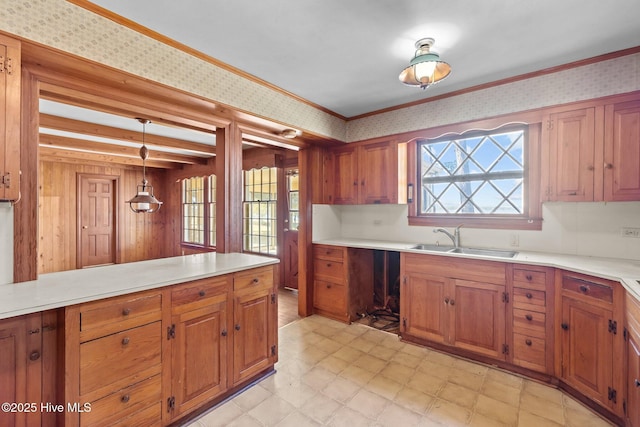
(477, 317)
(254, 348)
(587, 349)
(622, 152)
(633, 380)
(9, 118)
(20, 369)
(345, 180)
(199, 356)
(572, 145)
(378, 171)
(423, 308)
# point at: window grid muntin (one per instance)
(509, 144)
(198, 211)
(259, 222)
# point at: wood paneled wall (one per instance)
(140, 236)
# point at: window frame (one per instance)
(272, 205)
(530, 219)
(207, 215)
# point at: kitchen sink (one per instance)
(484, 252)
(467, 251)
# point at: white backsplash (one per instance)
(590, 229)
(6, 243)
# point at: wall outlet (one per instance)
(630, 232)
(514, 240)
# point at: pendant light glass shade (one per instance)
(144, 201)
(426, 68)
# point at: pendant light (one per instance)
(426, 68)
(144, 201)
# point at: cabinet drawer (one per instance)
(530, 279)
(587, 288)
(115, 314)
(335, 253)
(529, 322)
(120, 359)
(529, 351)
(329, 296)
(125, 403)
(200, 292)
(258, 278)
(329, 269)
(529, 299)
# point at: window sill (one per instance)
(473, 221)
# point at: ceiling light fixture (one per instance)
(144, 201)
(426, 68)
(289, 133)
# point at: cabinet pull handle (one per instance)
(126, 311)
(125, 340)
(529, 277)
(202, 293)
(528, 317)
(564, 326)
(35, 355)
(237, 327)
(573, 193)
(584, 288)
(528, 295)
(527, 342)
(637, 383)
(452, 302)
(125, 398)
(224, 332)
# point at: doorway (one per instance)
(96, 220)
(291, 223)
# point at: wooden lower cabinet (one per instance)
(632, 403)
(591, 339)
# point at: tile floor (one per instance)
(334, 374)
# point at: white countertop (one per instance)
(624, 271)
(55, 290)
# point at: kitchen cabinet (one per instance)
(458, 303)
(342, 281)
(255, 318)
(113, 360)
(632, 403)
(622, 151)
(21, 369)
(591, 344)
(198, 336)
(530, 324)
(368, 173)
(10, 75)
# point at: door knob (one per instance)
(84, 227)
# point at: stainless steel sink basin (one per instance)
(433, 248)
(484, 252)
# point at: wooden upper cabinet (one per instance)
(572, 148)
(622, 151)
(9, 118)
(370, 173)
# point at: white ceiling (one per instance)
(345, 55)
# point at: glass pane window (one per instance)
(260, 211)
(478, 174)
(198, 211)
(293, 199)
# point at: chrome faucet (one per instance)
(455, 237)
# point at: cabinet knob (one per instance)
(125, 340)
(637, 383)
(528, 317)
(590, 168)
(328, 286)
(608, 166)
(446, 300)
(564, 326)
(35, 355)
(573, 193)
(584, 288)
(529, 277)
(527, 342)
(224, 332)
(125, 398)
(237, 327)
(528, 295)
(255, 280)
(126, 311)
(452, 302)
(202, 293)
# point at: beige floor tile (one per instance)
(272, 410)
(251, 397)
(368, 404)
(527, 419)
(506, 378)
(395, 415)
(441, 358)
(320, 408)
(414, 400)
(407, 359)
(221, 416)
(296, 393)
(479, 420)
(416, 350)
(430, 367)
(497, 410)
(246, 421)
(341, 389)
(370, 363)
(470, 367)
(384, 386)
(383, 353)
(448, 413)
(333, 364)
(501, 391)
(541, 407)
(543, 391)
(344, 337)
(580, 418)
(374, 336)
(347, 417)
(361, 344)
(297, 419)
(459, 395)
(398, 373)
(328, 345)
(426, 383)
(393, 342)
(466, 379)
(318, 378)
(312, 355)
(348, 354)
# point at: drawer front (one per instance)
(529, 351)
(125, 403)
(122, 358)
(530, 279)
(335, 253)
(200, 292)
(529, 322)
(529, 299)
(329, 269)
(108, 316)
(587, 288)
(329, 296)
(257, 278)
